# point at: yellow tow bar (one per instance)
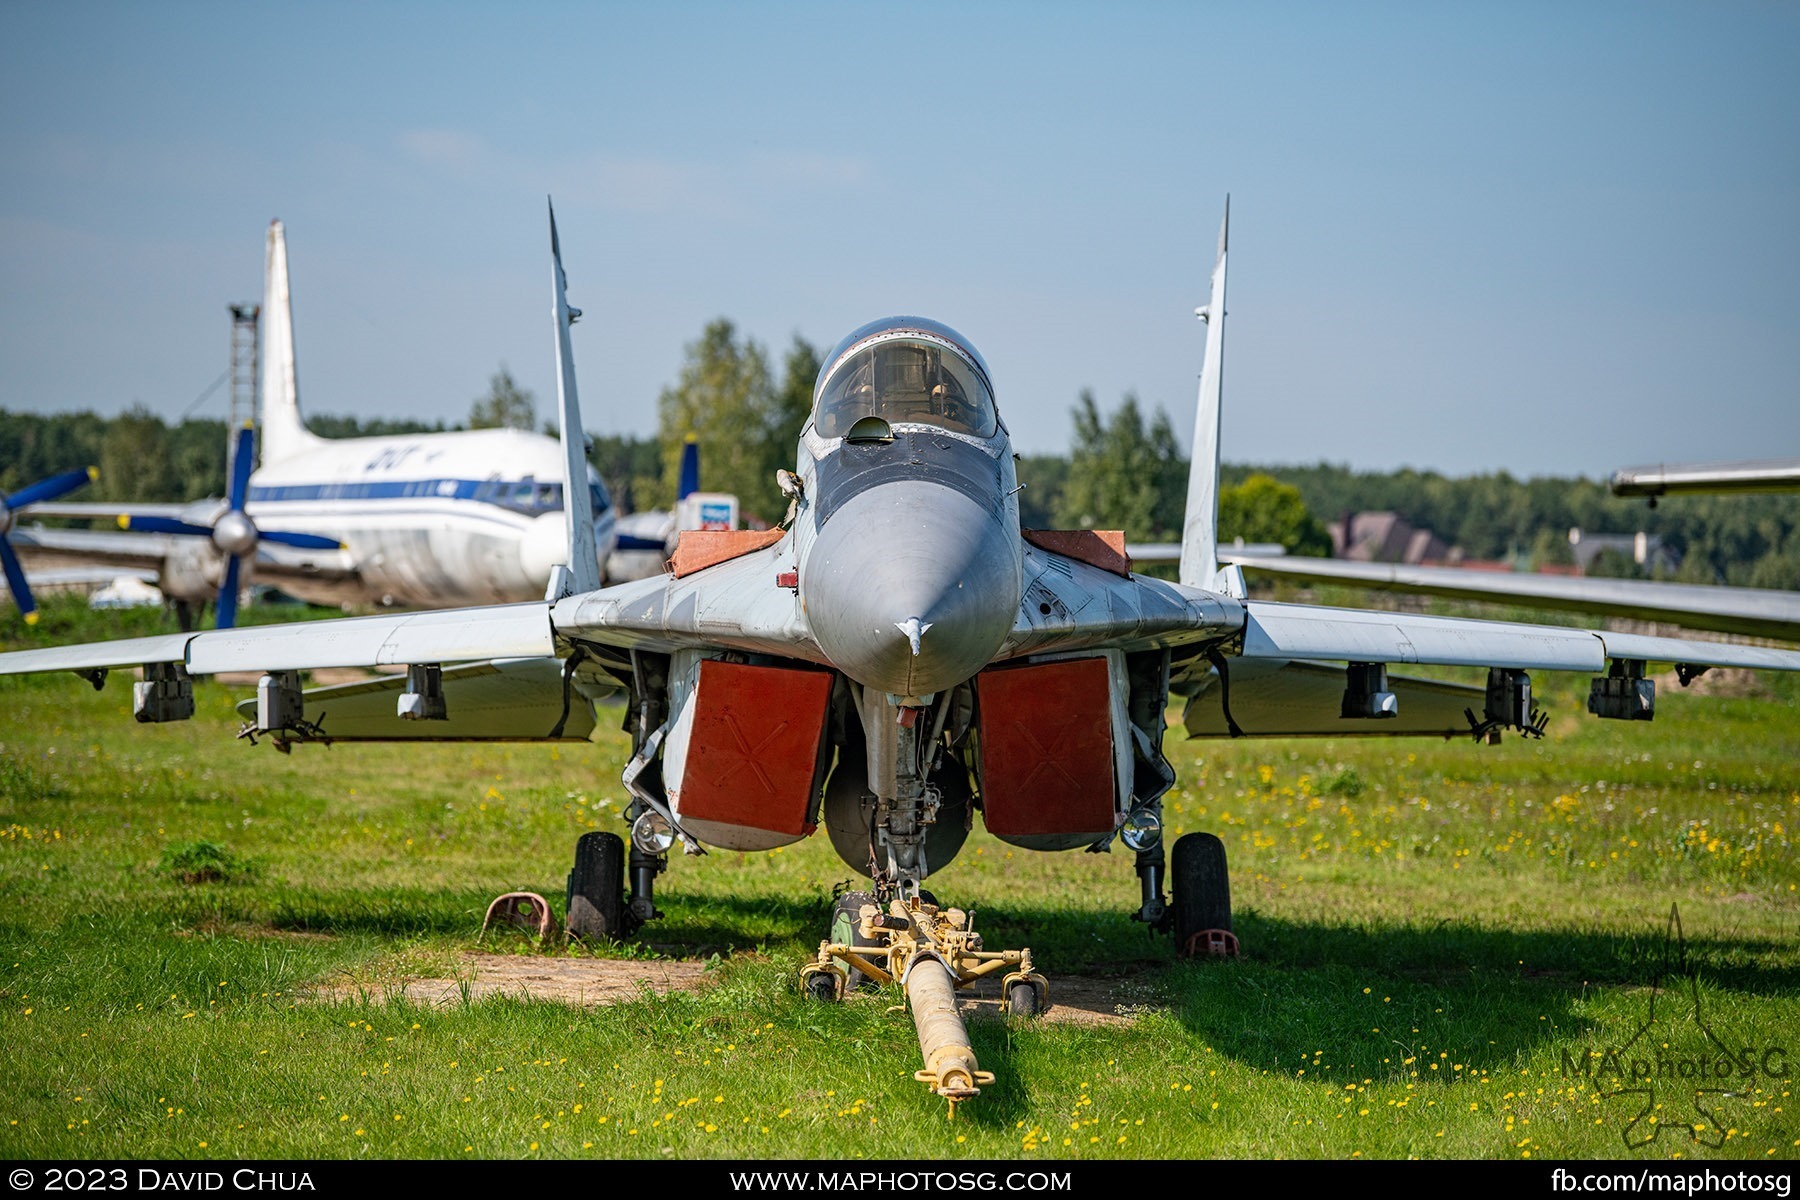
(932, 952)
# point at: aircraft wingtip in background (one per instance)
(1757, 475)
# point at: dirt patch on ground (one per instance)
(587, 982)
(590, 982)
(1074, 1000)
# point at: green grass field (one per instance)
(1434, 934)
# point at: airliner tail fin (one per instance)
(284, 433)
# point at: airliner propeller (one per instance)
(232, 532)
(37, 493)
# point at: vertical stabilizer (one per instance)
(284, 434)
(690, 468)
(1200, 528)
(578, 501)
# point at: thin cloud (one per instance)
(741, 189)
(450, 149)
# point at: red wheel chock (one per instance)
(527, 910)
(1211, 943)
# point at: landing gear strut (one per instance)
(1153, 911)
(642, 906)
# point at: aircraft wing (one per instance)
(111, 547)
(1284, 698)
(1283, 664)
(90, 511)
(508, 700)
(1278, 683)
(737, 604)
(150, 552)
(1751, 612)
(448, 635)
(1289, 631)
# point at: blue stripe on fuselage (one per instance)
(525, 495)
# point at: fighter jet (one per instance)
(894, 659)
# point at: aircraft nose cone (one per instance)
(911, 587)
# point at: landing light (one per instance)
(1142, 830)
(650, 834)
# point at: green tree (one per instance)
(1123, 475)
(1263, 509)
(1550, 548)
(330, 425)
(197, 459)
(1042, 477)
(34, 446)
(726, 397)
(506, 405)
(793, 401)
(135, 462)
(631, 467)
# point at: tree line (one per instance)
(1124, 470)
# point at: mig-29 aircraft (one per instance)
(894, 658)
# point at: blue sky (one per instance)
(1542, 238)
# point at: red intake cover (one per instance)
(754, 750)
(1047, 748)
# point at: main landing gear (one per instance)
(598, 906)
(1199, 912)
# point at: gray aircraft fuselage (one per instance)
(909, 549)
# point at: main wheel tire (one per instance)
(1022, 1000)
(596, 899)
(845, 932)
(1201, 885)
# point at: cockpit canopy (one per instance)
(905, 370)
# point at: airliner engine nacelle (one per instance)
(544, 545)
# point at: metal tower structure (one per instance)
(246, 354)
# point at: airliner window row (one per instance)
(523, 495)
